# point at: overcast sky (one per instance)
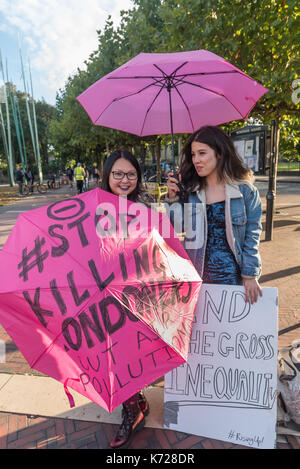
(55, 35)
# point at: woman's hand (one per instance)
(173, 188)
(252, 289)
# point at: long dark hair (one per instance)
(230, 166)
(127, 155)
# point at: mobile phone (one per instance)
(179, 184)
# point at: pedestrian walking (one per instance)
(86, 178)
(29, 177)
(122, 176)
(224, 211)
(70, 174)
(96, 174)
(79, 177)
(51, 181)
(20, 179)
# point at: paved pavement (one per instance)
(281, 269)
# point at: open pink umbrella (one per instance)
(95, 297)
(177, 92)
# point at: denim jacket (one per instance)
(243, 226)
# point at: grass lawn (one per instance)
(8, 194)
(286, 166)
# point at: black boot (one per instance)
(133, 421)
(143, 403)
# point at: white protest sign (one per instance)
(228, 388)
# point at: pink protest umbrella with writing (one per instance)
(171, 93)
(98, 293)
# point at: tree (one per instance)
(258, 37)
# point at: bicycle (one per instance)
(35, 187)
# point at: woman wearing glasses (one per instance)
(122, 176)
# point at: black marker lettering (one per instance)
(94, 325)
(95, 383)
(36, 254)
(104, 308)
(57, 251)
(140, 372)
(123, 266)
(86, 381)
(100, 284)
(120, 384)
(139, 340)
(141, 261)
(57, 296)
(66, 325)
(95, 368)
(77, 298)
(109, 349)
(36, 307)
(79, 226)
(158, 268)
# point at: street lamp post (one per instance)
(271, 194)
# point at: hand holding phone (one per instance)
(174, 185)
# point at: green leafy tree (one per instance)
(259, 37)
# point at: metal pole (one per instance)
(169, 88)
(28, 111)
(21, 128)
(15, 117)
(36, 130)
(9, 141)
(271, 194)
(4, 134)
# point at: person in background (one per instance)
(70, 174)
(51, 181)
(20, 179)
(86, 178)
(79, 177)
(225, 211)
(29, 177)
(96, 174)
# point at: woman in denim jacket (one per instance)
(220, 210)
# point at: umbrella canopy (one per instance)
(171, 93)
(95, 297)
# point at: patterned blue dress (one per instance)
(220, 265)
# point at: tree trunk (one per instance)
(152, 151)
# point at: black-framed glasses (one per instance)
(119, 175)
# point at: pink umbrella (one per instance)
(179, 92)
(93, 296)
